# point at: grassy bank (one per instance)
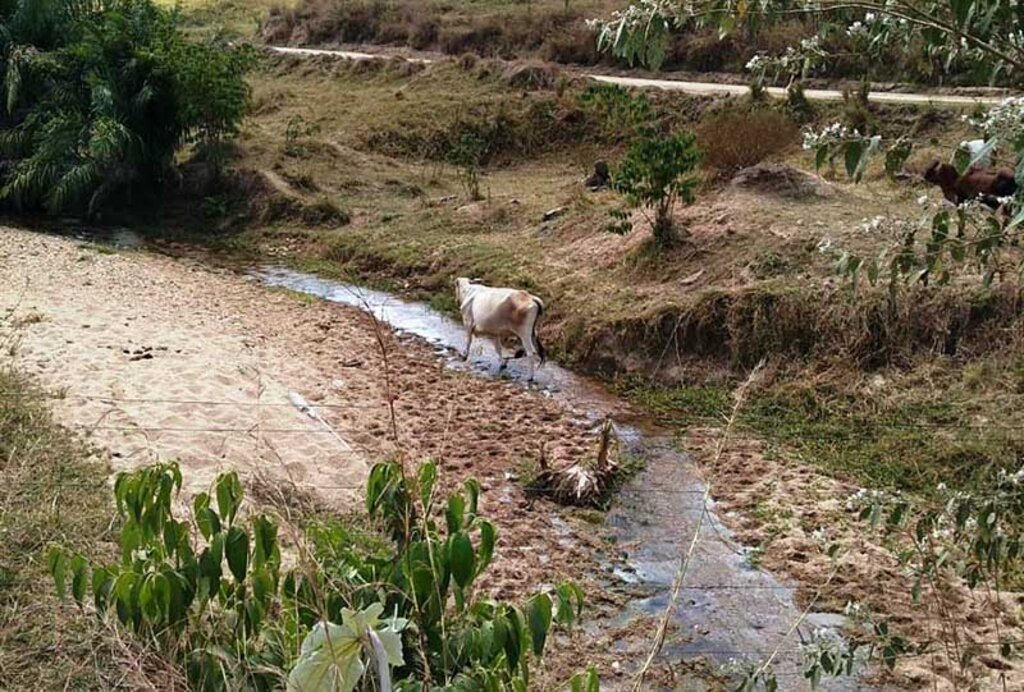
(375, 141)
(54, 490)
(943, 421)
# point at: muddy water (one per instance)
(727, 609)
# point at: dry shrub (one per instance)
(326, 21)
(575, 45)
(481, 39)
(531, 76)
(467, 61)
(706, 52)
(734, 140)
(424, 32)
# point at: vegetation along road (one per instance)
(690, 87)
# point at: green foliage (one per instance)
(211, 593)
(468, 153)
(440, 550)
(657, 171)
(620, 113)
(99, 97)
(973, 537)
(975, 37)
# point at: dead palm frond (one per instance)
(586, 483)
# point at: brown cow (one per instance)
(985, 184)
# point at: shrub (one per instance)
(619, 112)
(657, 171)
(523, 128)
(575, 45)
(797, 105)
(468, 154)
(857, 112)
(225, 608)
(99, 96)
(738, 139)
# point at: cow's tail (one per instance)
(541, 351)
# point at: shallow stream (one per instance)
(727, 609)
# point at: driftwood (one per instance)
(587, 482)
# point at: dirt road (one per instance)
(694, 88)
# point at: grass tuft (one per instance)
(53, 490)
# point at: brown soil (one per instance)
(794, 512)
(160, 358)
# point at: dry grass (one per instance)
(749, 282)
(738, 138)
(54, 490)
(546, 29)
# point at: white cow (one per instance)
(499, 312)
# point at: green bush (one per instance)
(399, 601)
(99, 96)
(619, 113)
(657, 171)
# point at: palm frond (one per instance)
(17, 62)
(72, 186)
(15, 141)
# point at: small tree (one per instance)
(468, 154)
(657, 171)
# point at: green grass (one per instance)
(957, 424)
(52, 491)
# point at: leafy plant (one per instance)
(973, 536)
(657, 171)
(298, 130)
(468, 154)
(99, 96)
(440, 550)
(211, 594)
(620, 113)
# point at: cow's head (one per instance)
(462, 285)
(940, 173)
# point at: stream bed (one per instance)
(727, 610)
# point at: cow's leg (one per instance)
(502, 363)
(469, 342)
(526, 339)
